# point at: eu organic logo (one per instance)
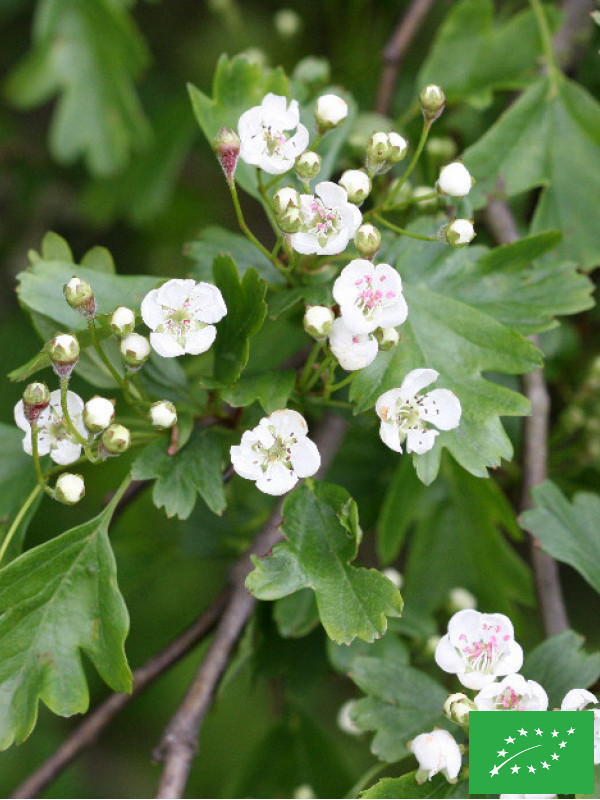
(531, 752)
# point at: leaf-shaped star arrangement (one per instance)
(546, 743)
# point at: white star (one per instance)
(501, 753)
(510, 740)
(554, 733)
(531, 768)
(523, 732)
(515, 768)
(494, 771)
(562, 744)
(571, 731)
(545, 764)
(554, 757)
(538, 731)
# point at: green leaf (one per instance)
(407, 786)
(560, 664)
(271, 389)
(550, 138)
(314, 295)
(402, 500)
(567, 531)
(88, 54)
(246, 310)
(388, 648)
(297, 614)
(401, 702)
(194, 469)
(57, 601)
(473, 56)
(322, 538)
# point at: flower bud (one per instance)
(98, 413)
(163, 414)
(122, 321)
(116, 439)
(399, 147)
(387, 338)
(460, 599)
(69, 488)
(135, 350)
(344, 720)
(330, 110)
(392, 574)
(312, 71)
(432, 100)
(285, 198)
(308, 165)
(379, 148)
(455, 180)
(291, 220)
(318, 321)
(442, 148)
(80, 296)
(357, 184)
(287, 23)
(226, 145)
(36, 398)
(64, 353)
(457, 708)
(367, 240)
(458, 233)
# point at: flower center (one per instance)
(278, 453)
(57, 430)
(179, 322)
(483, 654)
(407, 415)
(274, 140)
(371, 296)
(323, 222)
(509, 700)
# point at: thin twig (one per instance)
(571, 38)
(535, 450)
(395, 50)
(88, 731)
(179, 743)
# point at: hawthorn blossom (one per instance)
(513, 693)
(53, 437)
(276, 453)
(436, 751)
(180, 313)
(328, 221)
(479, 647)
(455, 180)
(69, 489)
(265, 134)
(404, 413)
(370, 297)
(577, 700)
(352, 350)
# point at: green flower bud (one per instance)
(135, 350)
(36, 398)
(116, 439)
(432, 100)
(122, 321)
(442, 148)
(69, 488)
(290, 221)
(80, 296)
(308, 165)
(285, 198)
(457, 708)
(458, 233)
(226, 145)
(379, 148)
(387, 338)
(357, 184)
(64, 353)
(367, 240)
(98, 413)
(399, 147)
(318, 321)
(163, 414)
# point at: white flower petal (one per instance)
(386, 402)
(356, 321)
(151, 310)
(446, 656)
(335, 244)
(416, 380)
(351, 350)
(475, 680)
(511, 659)
(165, 345)
(175, 292)
(304, 243)
(197, 342)
(249, 123)
(206, 303)
(351, 279)
(394, 314)
(276, 480)
(577, 700)
(287, 423)
(333, 195)
(305, 458)
(20, 419)
(420, 441)
(297, 144)
(65, 451)
(442, 408)
(245, 462)
(276, 104)
(390, 435)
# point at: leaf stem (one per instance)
(248, 233)
(19, 518)
(327, 361)
(310, 362)
(554, 71)
(413, 163)
(348, 379)
(403, 231)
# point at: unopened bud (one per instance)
(163, 414)
(308, 165)
(455, 180)
(442, 148)
(432, 100)
(357, 184)
(69, 488)
(344, 720)
(64, 353)
(457, 708)
(387, 338)
(312, 71)
(379, 148)
(122, 321)
(330, 110)
(116, 439)
(98, 413)
(135, 350)
(458, 233)
(291, 220)
(36, 398)
(367, 240)
(285, 198)
(399, 147)
(318, 321)
(80, 296)
(287, 23)
(460, 599)
(226, 145)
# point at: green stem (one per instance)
(310, 361)
(19, 518)
(270, 184)
(554, 71)
(64, 390)
(104, 358)
(348, 379)
(407, 173)
(248, 233)
(403, 231)
(317, 141)
(327, 361)
(36, 461)
(365, 781)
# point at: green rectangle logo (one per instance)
(531, 752)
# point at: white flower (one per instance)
(163, 414)
(455, 180)
(436, 751)
(277, 453)
(329, 221)
(344, 720)
(53, 436)
(330, 110)
(478, 647)
(318, 321)
(577, 700)
(404, 413)
(69, 488)
(513, 693)
(180, 313)
(357, 184)
(98, 413)
(265, 138)
(352, 350)
(370, 297)
(459, 232)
